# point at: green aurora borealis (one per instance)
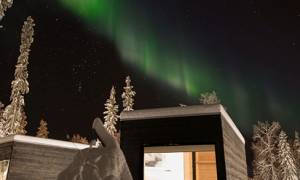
(141, 46)
(172, 60)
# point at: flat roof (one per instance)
(43, 141)
(186, 111)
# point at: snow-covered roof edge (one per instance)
(43, 141)
(186, 111)
(167, 112)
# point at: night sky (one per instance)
(248, 51)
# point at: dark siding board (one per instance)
(5, 151)
(38, 162)
(235, 156)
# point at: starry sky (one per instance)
(174, 50)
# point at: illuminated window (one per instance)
(180, 163)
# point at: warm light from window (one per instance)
(180, 163)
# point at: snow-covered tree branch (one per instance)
(111, 113)
(287, 166)
(296, 151)
(4, 5)
(265, 138)
(76, 138)
(14, 117)
(2, 132)
(128, 95)
(43, 129)
(209, 98)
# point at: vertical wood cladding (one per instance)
(36, 162)
(234, 152)
(206, 167)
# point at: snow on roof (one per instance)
(185, 111)
(43, 141)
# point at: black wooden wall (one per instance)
(194, 130)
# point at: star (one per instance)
(294, 43)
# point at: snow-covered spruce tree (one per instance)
(209, 98)
(128, 95)
(76, 138)
(14, 115)
(21, 129)
(1, 119)
(296, 152)
(43, 129)
(287, 166)
(265, 138)
(111, 113)
(4, 5)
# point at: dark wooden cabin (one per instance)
(207, 129)
(32, 158)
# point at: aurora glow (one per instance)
(141, 47)
(171, 60)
